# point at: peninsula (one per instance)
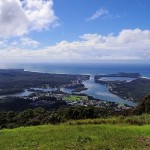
(130, 86)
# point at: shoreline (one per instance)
(126, 89)
(83, 88)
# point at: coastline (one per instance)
(101, 91)
(88, 72)
(131, 86)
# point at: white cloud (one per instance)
(28, 43)
(23, 43)
(97, 14)
(128, 46)
(12, 18)
(40, 13)
(19, 17)
(2, 44)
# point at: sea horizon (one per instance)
(82, 68)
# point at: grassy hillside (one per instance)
(105, 133)
(77, 137)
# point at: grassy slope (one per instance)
(76, 137)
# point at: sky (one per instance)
(116, 31)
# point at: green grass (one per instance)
(74, 98)
(130, 120)
(77, 137)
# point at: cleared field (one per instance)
(76, 137)
(73, 98)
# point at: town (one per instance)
(50, 99)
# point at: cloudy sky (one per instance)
(75, 31)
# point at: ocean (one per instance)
(96, 90)
(86, 68)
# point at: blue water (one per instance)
(94, 89)
(87, 68)
(100, 91)
(20, 94)
(116, 79)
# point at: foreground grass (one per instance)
(77, 137)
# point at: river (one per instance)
(100, 91)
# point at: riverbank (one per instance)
(129, 86)
(101, 91)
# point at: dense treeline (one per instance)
(40, 116)
(18, 104)
(11, 91)
(143, 107)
